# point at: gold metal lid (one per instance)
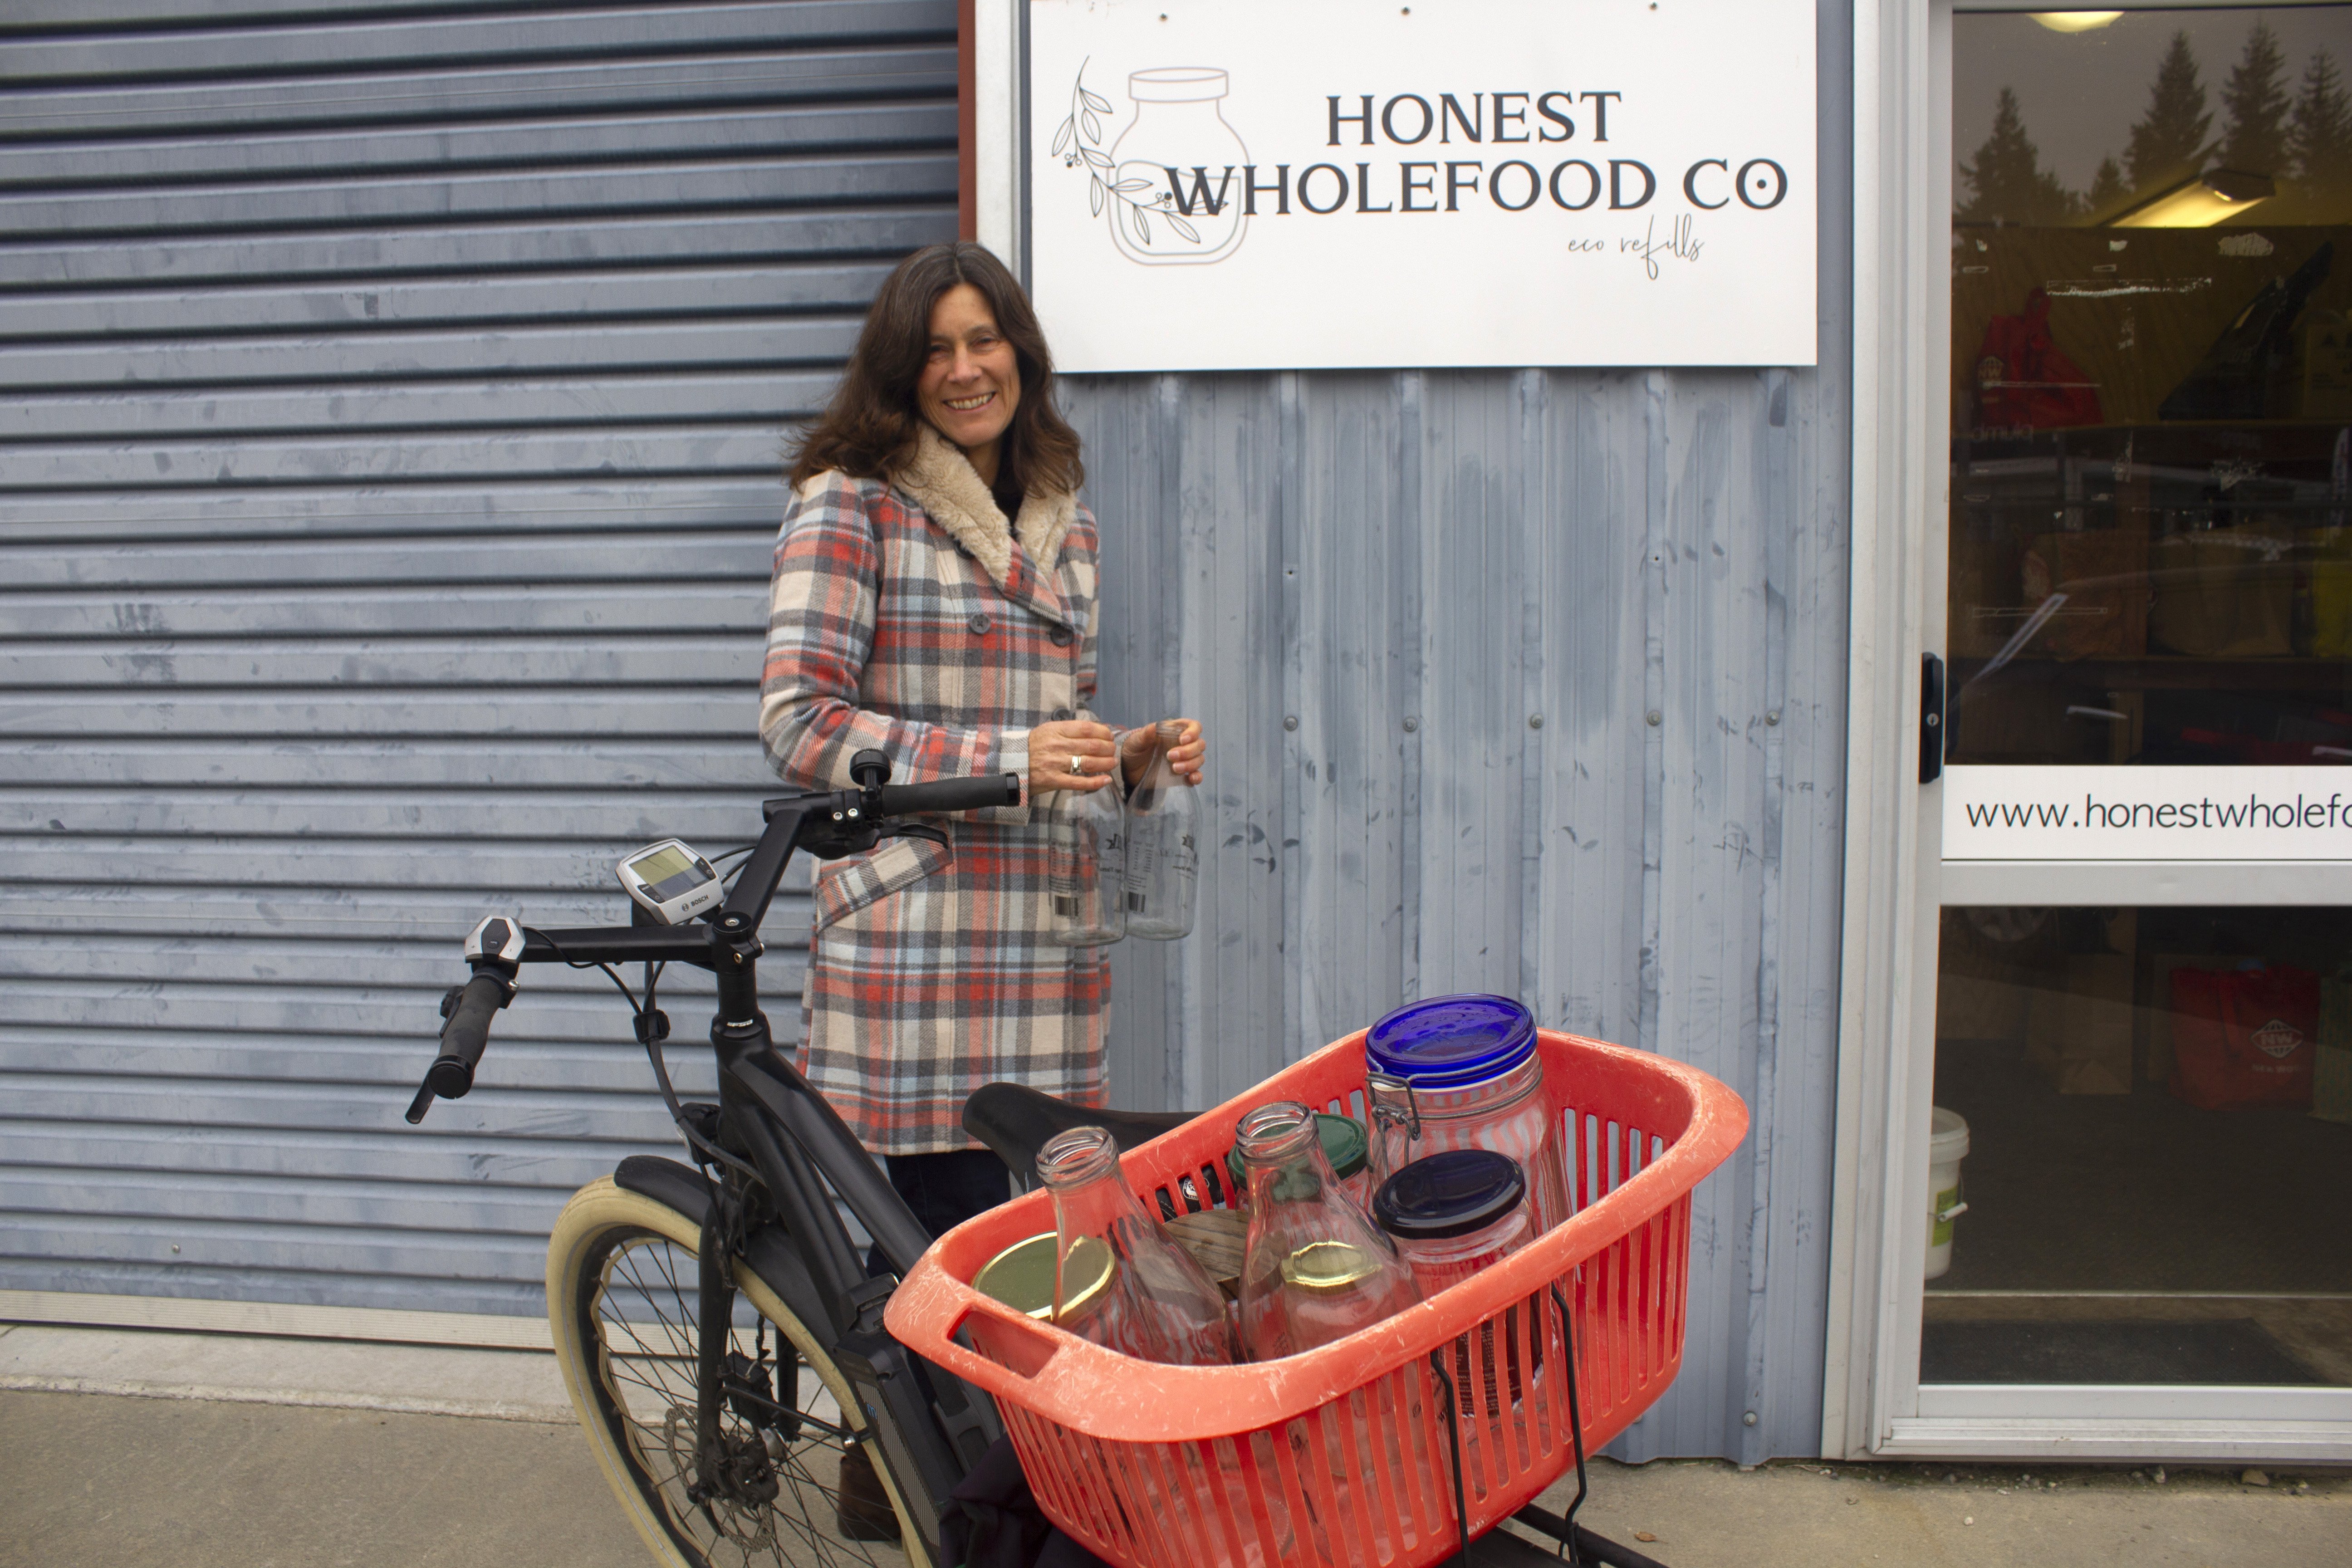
(1022, 1276)
(1328, 1266)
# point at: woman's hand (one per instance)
(1070, 753)
(1185, 755)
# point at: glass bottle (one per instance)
(1086, 865)
(1314, 1269)
(1157, 1304)
(1163, 856)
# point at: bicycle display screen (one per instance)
(670, 882)
(661, 868)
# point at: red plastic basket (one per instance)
(1343, 1456)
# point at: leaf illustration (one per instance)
(1095, 100)
(1062, 137)
(1180, 226)
(1143, 225)
(1094, 196)
(1097, 158)
(1129, 187)
(1094, 126)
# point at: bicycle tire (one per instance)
(621, 1272)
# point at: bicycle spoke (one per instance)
(646, 1321)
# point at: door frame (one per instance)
(1872, 1403)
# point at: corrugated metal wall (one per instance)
(386, 487)
(1528, 682)
(388, 476)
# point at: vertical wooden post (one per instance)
(967, 123)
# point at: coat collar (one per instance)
(942, 482)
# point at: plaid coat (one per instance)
(910, 617)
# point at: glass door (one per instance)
(2141, 1139)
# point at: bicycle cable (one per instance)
(650, 1036)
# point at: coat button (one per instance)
(1060, 636)
(978, 625)
(1064, 713)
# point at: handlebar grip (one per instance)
(952, 795)
(465, 1034)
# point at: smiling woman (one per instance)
(935, 597)
(970, 384)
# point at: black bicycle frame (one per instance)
(930, 1428)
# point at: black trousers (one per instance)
(944, 1190)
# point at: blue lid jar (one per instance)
(1451, 1194)
(1447, 1042)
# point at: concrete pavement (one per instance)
(215, 1451)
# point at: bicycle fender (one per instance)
(679, 1188)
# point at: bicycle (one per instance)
(666, 1282)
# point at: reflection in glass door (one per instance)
(2144, 1132)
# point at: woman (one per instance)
(935, 597)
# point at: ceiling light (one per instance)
(2073, 21)
(2200, 202)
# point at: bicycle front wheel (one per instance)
(621, 1290)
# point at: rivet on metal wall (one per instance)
(1535, 721)
(1411, 722)
(1290, 720)
(1773, 717)
(1748, 1419)
(1656, 718)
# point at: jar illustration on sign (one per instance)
(1177, 172)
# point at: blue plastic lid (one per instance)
(1452, 1193)
(1447, 1042)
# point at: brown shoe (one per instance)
(861, 1506)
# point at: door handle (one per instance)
(1931, 718)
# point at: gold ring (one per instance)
(1078, 764)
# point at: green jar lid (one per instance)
(1344, 1145)
(1022, 1276)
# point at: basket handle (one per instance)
(1017, 1343)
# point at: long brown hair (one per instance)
(868, 430)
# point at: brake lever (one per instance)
(918, 830)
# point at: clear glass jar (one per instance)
(1086, 865)
(1157, 1304)
(1164, 855)
(1453, 1215)
(1178, 128)
(1314, 1269)
(1463, 1072)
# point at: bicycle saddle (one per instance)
(1015, 1122)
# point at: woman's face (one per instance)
(971, 383)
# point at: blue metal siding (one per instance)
(390, 415)
(1426, 618)
(392, 545)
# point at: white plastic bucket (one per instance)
(1947, 1145)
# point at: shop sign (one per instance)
(1247, 184)
(2157, 813)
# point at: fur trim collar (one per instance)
(943, 482)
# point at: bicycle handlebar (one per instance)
(952, 795)
(829, 823)
(463, 1038)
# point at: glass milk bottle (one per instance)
(1164, 855)
(1157, 1304)
(1313, 1270)
(1086, 865)
(1177, 154)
